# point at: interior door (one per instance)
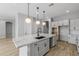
(8, 29)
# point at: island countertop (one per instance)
(29, 39)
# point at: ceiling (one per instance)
(11, 9)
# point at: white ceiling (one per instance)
(11, 9)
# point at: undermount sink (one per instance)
(40, 37)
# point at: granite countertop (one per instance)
(29, 39)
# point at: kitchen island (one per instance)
(30, 46)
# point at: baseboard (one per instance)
(68, 42)
(72, 43)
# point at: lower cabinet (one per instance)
(43, 47)
(39, 48)
(77, 41)
(78, 48)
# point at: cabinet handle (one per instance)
(35, 44)
(45, 45)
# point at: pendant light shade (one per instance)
(28, 19)
(37, 22)
(43, 23)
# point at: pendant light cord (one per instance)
(37, 13)
(28, 10)
(37, 16)
(43, 14)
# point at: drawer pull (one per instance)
(45, 45)
(38, 49)
(35, 44)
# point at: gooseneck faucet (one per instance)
(38, 32)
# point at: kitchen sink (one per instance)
(40, 37)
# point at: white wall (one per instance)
(2, 29)
(74, 26)
(9, 19)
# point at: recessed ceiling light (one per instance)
(67, 11)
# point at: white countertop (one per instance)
(29, 39)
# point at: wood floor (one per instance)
(7, 48)
(63, 49)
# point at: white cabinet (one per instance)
(60, 23)
(35, 49)
(64, 22)
(72, 39)
(78, 46)
(43, 47)
(39, 48)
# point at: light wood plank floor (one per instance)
(63, 49)
(7, 48)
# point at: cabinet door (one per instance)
(54, 41)
(36, 49)
(46, 43)
(41, 47)
(44, 47)
(64, 32)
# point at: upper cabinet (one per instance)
(60, 23)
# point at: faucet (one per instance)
(38, 32)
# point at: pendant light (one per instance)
(28, 19)
(43, 23)
(37, 22)
(37, 13)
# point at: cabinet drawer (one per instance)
(43, 47)
(43, 52)
(39, 48)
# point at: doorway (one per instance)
(8, 30)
